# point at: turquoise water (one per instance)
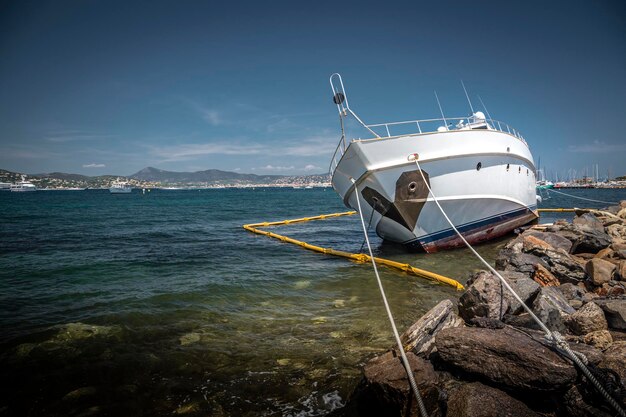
(161, 303)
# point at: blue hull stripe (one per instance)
(473, 225)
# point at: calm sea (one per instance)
(161, 304)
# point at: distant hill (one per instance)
(210, 175)
(63, 176)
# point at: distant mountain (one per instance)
(210, 175)
(63, 176)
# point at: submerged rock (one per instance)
(419, 338)
(478, 400)
(506, 357)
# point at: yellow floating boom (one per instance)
(357, 257)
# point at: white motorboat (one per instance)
(480, 170)
(23, 186)
(120, 187)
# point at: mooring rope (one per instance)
(405, 361)
(580, 198)
(550, 335)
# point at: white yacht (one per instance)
(120, 187)
(23, 186)
(480, 170)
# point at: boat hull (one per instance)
(483, 179)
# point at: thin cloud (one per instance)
(277, 168)
(597, 147)
(310, 168)
(64, 136)
(191, 151)
(94, 166)
(211, 116)
(313, 146)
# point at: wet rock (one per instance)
(420, 337)
(478, 400)
(589, 318)
(506, 357)
(600, 339)
(600, 271)
(82, 331)
(544, 277)
(614, 311)
(484, 297)
(552, 308)
(385, 390)
(80, 393)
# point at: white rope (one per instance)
(580, 198)
(405, 361)
(553, 336)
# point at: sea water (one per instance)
(160, 303)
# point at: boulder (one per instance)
(419, 338)
(544, 277)
(617, 231)
(584, 238)
(552, 308)
(600, 339)
(588, 221)
(506, 357)
(385, 390)
(478, 400)
(563, 266)
(614, 311)
(600, 271)
(553, 239)
(526, 288)
(589, 318)
(484, 297)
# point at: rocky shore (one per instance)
(483, 355)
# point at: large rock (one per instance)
(559, 263)
(484, 297)
(614, 311)
(600, 339)
(478, 400)
(506, 357)
(600, 271)
(583, 237)
(419, 338)
(552, 308)
(385, 390)
(621, 270)
(553, 239)
(589, 318)
(588, 221)
(526, 288)
(571, 291)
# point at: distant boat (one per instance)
(481, 170)
(120, 188)
(5, 186)
(23, 186)
(544, 185)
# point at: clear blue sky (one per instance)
(110, 87)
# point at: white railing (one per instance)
(417, 127)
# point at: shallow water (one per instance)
(161, 303)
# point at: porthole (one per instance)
(519, 170)
(507, 167)
(479, 166)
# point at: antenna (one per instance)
(468, 99)
(441, 110)
(484, 107)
